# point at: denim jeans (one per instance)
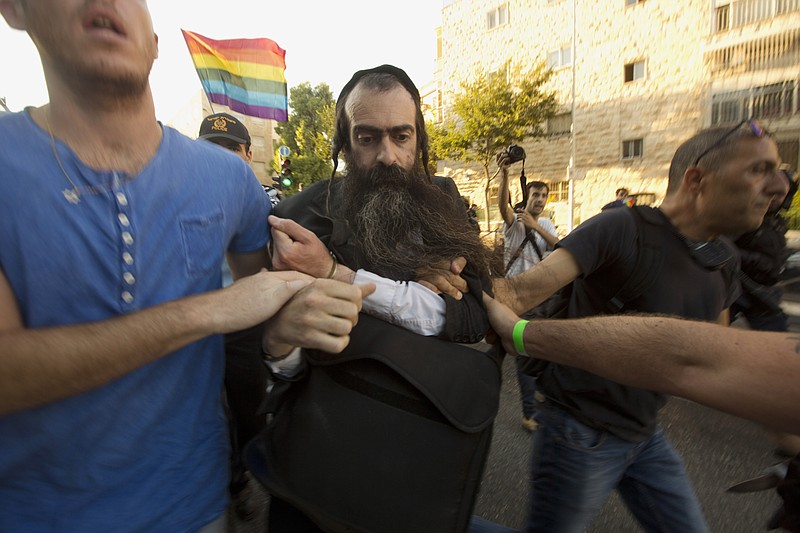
(574, 468)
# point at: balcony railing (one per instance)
(742, 12)
(775, 51)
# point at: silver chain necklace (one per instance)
(74, 194)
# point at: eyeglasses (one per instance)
(754, 126)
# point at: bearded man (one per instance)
(385, 221)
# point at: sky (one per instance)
(325, 41)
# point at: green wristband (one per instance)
(517, 335)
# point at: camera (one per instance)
(515, 153)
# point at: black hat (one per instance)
(223, 125)
(398, 73)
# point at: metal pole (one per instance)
(571, 168)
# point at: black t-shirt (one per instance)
(605, 247)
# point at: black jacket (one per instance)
(466, 319)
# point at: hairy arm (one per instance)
(502, 194)
(749, 374)
(40, 365)
(534, 286)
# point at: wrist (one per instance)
(345, 275)
(275, 352)
(518, 336)
(334, 266)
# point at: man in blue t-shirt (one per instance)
(112, 232)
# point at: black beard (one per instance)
(403, 221)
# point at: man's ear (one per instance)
(13, 13)
(155, 36)
(693, 177)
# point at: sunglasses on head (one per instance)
(754, 126)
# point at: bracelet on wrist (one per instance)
(518, 336)
(335, 266)
(267, 356)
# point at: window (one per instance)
(789, 152)
(771, 52)
(743, 12)
(767, 101)
(786, 6)
(561, 57)
(559, 191)
(643, 198)
(632, 149)
(497, 16)
(726, 110)
(723, 21)
(633, 2)
(634, 71)
(559, 124)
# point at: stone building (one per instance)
(639, 77)
(263, 138)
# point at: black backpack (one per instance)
(391, 435)
(645, 272)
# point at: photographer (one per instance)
(528, 237)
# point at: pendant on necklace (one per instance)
(72, 196)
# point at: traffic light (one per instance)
(286, 173)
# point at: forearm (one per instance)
(548, 237)
(38, 366)
(748, 374)
(534, 286)
(502, 198)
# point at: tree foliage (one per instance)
(308, 133)
(492, 111)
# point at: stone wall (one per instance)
(666, 107)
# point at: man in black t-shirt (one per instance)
(596, 435)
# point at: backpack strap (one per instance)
(648, 262)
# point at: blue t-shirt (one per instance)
(148, 451)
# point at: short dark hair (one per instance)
(622, 189)
(688, 152)
(538, 185)
(383, 78)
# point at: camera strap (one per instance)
(530, 237)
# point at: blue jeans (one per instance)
(574, 468)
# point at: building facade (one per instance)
(263, 138)
(635, 79)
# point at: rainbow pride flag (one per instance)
(243, 74)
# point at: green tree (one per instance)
(308, 133)
(492, 111)
(792, 215)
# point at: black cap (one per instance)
(225, 126)
(398, 73)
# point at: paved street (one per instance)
(719, 450)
